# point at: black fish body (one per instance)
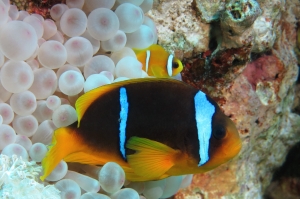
(139, 122)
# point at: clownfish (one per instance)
(158, 62)
(153, 128)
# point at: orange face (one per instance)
(225, 142)
(224, 145)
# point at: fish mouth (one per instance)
(237, 147)
(228, 151)
(234, 149)
(234, 144)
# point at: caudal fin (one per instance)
(64, 142)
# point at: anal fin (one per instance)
(93, 157)
(85, 158)
(101, 159)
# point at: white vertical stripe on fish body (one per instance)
(169, 65)
(123, 120)
(148, 54)
(204, 112)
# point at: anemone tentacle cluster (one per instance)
(45, 65)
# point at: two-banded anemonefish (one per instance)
(153, 128)
(158, 62)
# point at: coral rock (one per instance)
(221, 69)
(210, 10)
(179, 27)
(257, 94)
(239, 15)
(236, 23)
(264, 35)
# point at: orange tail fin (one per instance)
(64, 142)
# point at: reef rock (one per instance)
(179, 27)
(246, 63)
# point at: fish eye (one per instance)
(175, 65)
(220, 132)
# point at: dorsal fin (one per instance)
(139, 50)
(88, 98)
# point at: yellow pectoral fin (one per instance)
(64, 142)
(152, 159)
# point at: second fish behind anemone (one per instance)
(158, 62)
(153, 128)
